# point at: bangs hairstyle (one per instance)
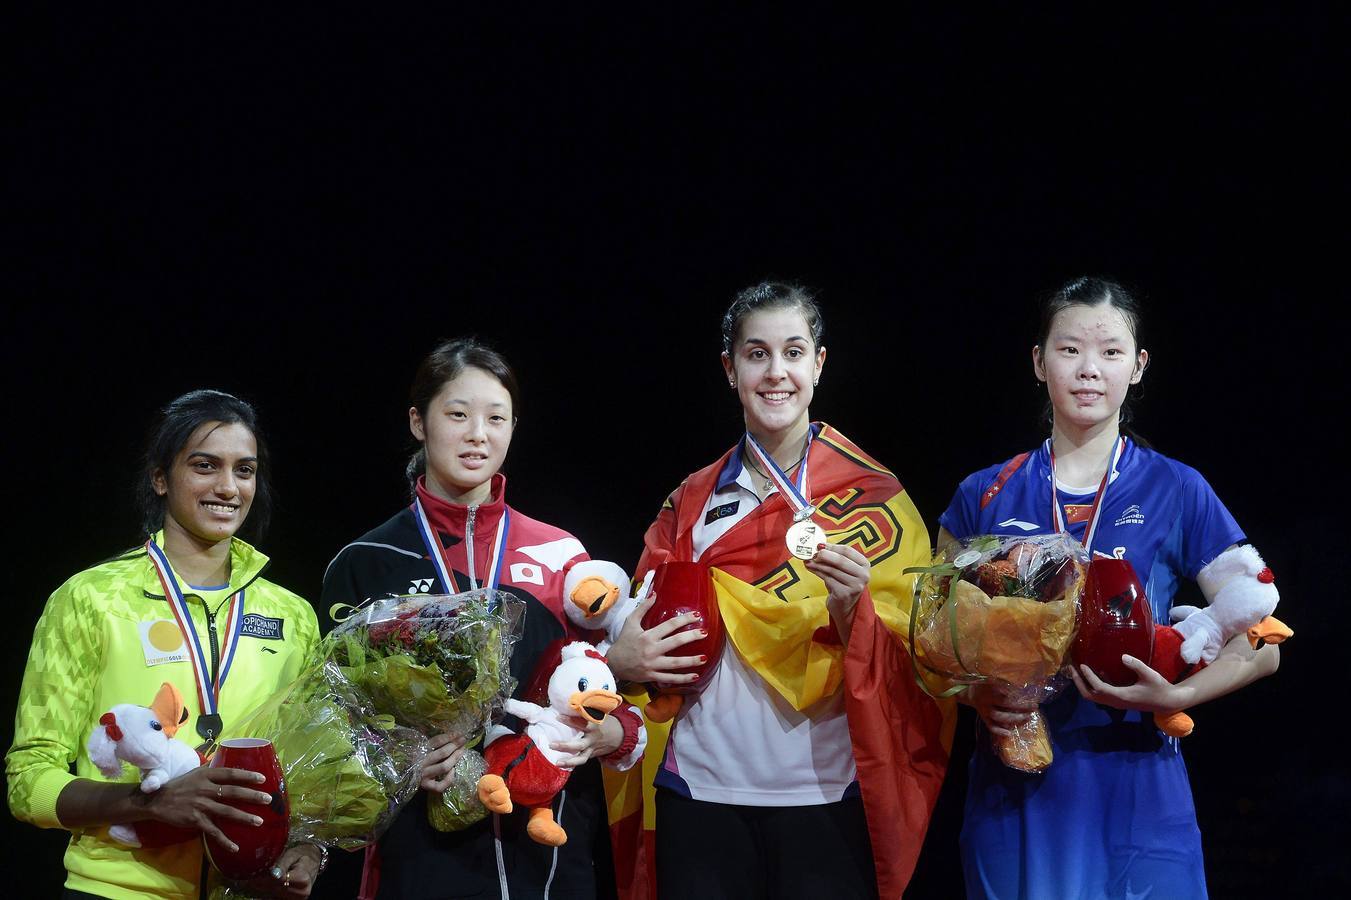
(169, 435)
(442, 366)
(1095, 291)
(772, 295)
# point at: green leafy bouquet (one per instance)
(352, 730)
(349, 766)
(438, 664)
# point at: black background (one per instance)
(295, 208)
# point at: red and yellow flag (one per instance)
(775, 614)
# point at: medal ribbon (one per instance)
(1058, 517)
(438, 556)
(208, 691)
(795, 492)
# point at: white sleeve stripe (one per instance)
(554, 553)
(368, 544)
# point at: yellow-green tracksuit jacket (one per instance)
(107, 636)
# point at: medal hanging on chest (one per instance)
(438, 555)
(209, 684)
(1058, 517)
(804, 535)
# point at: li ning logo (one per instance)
(1131, 515)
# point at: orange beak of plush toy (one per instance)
(594, 595)
(594, 705)
(169, 708)
(1270, 630)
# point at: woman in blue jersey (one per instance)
(1113, 815)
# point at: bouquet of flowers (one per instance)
(437, 664)
(1002, 610)
(349, 767)
(352, 730)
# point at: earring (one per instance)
(816, 382)
(732, 383)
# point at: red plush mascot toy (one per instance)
(524, 768)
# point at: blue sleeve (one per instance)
(1207, 526)
(962, 517)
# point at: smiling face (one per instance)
(466, 433)
(775, 365)
(1088, 362)
(210, 486)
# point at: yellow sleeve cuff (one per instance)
(42, 798)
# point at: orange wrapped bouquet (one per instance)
(1001, 610)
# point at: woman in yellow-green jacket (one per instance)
(188, 607)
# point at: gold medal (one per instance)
(803, 537)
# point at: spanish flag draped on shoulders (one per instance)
(775, 615)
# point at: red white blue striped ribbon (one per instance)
(208, 689)
(434, 550)
(1058, 517)
(795, 491)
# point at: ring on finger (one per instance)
(220, 791)
(286, 879)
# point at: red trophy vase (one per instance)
(259, 845)
(152, 833)
(1114, 618)
(684, 587)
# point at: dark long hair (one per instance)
(169, 435)
(772, 295)
(442, 366)
(1095, 291)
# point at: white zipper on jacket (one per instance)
(469, 546)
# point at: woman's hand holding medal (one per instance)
(845, 572)
(644, 655)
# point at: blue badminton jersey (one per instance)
(1112, 816)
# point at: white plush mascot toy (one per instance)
(596, 598)
(144, 737)
(1241, 592)
(524, 768)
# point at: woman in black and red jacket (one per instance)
(464, 399)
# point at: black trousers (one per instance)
(715, 850)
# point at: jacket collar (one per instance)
(697, 488)
(246, 564)
(450, 518)
(731, 470)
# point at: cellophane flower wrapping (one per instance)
(439, 664)
(348, 766)
(1003, 610)
(459, 806)
(351, 732)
